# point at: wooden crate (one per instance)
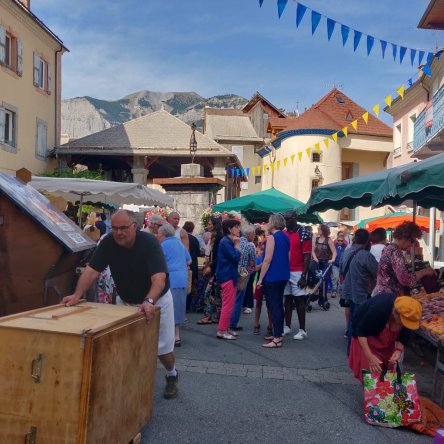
(82, 374)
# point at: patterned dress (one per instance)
(392, 272)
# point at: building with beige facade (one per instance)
(30, 92)
(362, 151)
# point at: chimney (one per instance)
(26, 3)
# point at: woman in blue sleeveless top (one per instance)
(275, 273)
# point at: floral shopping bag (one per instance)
(391, 398)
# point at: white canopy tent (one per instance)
(101, 191)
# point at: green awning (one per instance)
(350, 193)
(257, 207)
(422, 182)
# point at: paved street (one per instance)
(239, 392)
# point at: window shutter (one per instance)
(19, 57)
(36, 69)
(49, 80)
(2, 44)
(2, 125)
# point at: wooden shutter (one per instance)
(19, 57)
(49, 78)
(2, 44)
(2, 125)
(36, 69)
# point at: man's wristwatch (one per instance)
(149, 300)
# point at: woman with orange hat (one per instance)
(381, 329)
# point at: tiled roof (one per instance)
(157, 133)
(230, 127)
(331, 113)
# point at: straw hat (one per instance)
(410, 311)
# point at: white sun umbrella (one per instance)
(101, 191)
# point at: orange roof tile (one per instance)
(331, 112)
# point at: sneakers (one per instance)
(171, 388)
(247, 310)
(301, 334)
(287, 330)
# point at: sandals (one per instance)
(233, 333)
(273, 344)
(257, 330)
(177, 343)
(227, 336)
(205, 321)
(269, 331)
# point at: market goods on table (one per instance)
(432, 321)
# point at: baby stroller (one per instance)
(316, 286)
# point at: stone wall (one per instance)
(190, 205)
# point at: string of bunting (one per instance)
(324, 144)
(346, 31)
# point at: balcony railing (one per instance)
(422, 135)
(410, 146)
(397, 151)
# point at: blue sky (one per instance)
(217, 47)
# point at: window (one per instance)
(41, 144)
(397, 140)
(11, 51)
(340, 99)
(42, 74)
(349, 116)
(315, 157)
(411, 129)
(257, 180)
(8, 127)
(315, 183)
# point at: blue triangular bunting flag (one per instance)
(412, 56)
(427, 71)
(232, 172)
(438, 56)
(383, 47)
(281, 6)
(237, 172)
(402, 51)
(344, 32)
(248, 171)
(300, 11)
(260, 3)
(330, 27)
(370, 41)
(410, 81)
(356, 39)
(430, 57)
(394, 50)
(315, 19)
(421, 55)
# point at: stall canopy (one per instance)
(257, 207)
(391, 221)
(350, 193)
(422, 182)
(101, 191)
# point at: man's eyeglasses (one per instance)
(339, 240)
(158, 225)
(122, 227)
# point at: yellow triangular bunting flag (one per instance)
(292, 158)
(376, 109)
(318, 148)
(326, 143)
(308, 150)
(278, 164)
(400, 91)
(265, 168)
(285, 161)
(354, 124)
(300, 156)
(388, 100)
(335, 137)
(272, 166)
(253, 171)
(365, 117)
(345, 131)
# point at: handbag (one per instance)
(391, 398)
(242, 279)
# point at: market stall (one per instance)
(40, 249)
(257, 207)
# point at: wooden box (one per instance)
(81, 374)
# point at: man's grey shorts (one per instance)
(292, 288)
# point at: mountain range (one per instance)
(82, 116)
